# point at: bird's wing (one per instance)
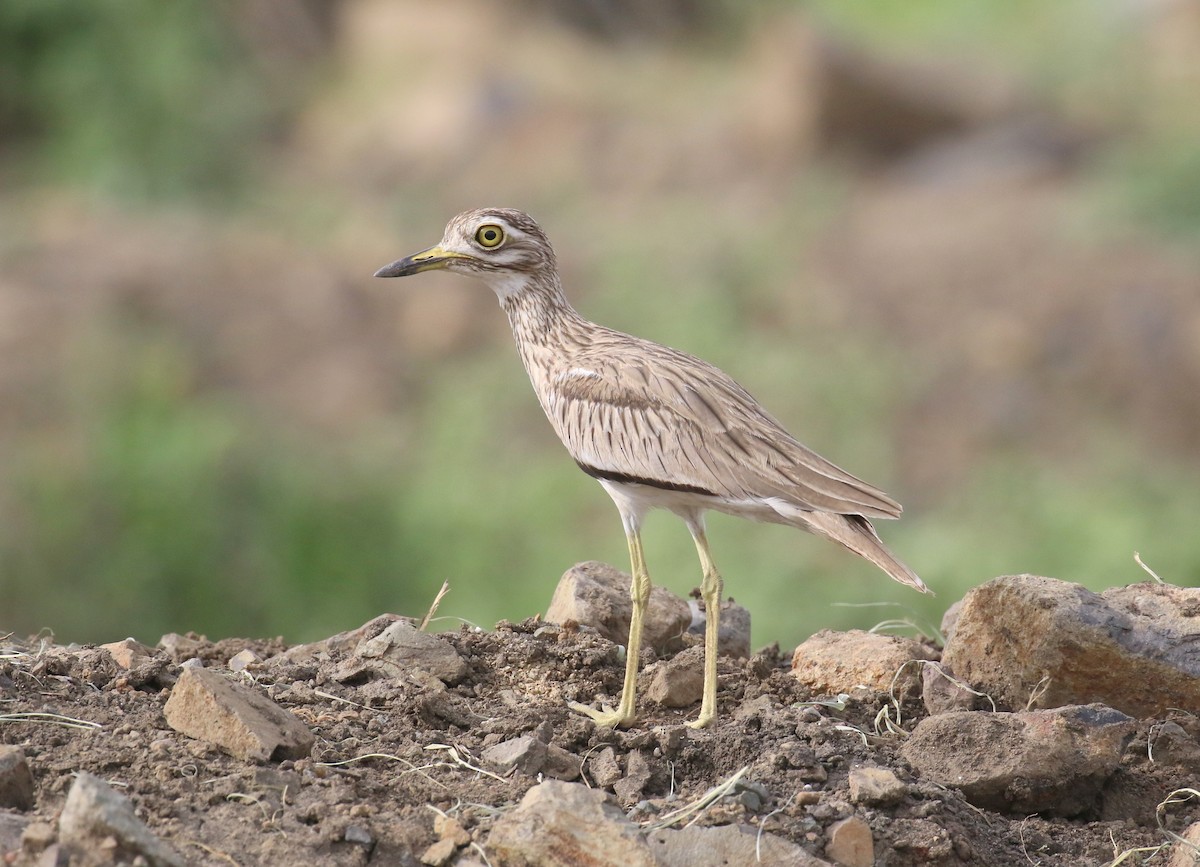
(651, 414)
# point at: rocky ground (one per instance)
(1076, 743)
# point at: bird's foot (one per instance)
(606, 717)
(702, 722)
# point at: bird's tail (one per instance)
(856, 533)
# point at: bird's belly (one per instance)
(636, 499)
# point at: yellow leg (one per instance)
(639, 592)
(710, 592)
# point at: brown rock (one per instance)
(16, 780)
(1029, 641)
(597, 595)
(128, 652)
(603, 768)
(831, 662)
(439, 852)
(561, 824)
(876, 787)
(449, 828)
(1052, 761)
(1186, 852)
(850, 843)
(678, 681)
(241, 721)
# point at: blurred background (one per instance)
(952, 244)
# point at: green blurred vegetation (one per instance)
(168, 504)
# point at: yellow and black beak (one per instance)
(428, 260)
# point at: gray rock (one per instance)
(876, 787)
(733, 632)
(561, 824)
(93, 813)
(241, 660)
(726, 845)
(1029, 641)
(629, 788)
(603, 769)
(246, 724)
(1052, 761)
(526, 754)
(12, 826)
(16, 780)
(596, 594)
(181, 647)
(401, 647)
(678, 681)
(831, 662)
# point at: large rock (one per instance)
(1047, 761)
(401, 647)
(831, 662)
(1029, 641)
(94, 815)
(597, 595)
(567, 825)
(245, 723)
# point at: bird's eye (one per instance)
(489, 236)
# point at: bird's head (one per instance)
(504, 248)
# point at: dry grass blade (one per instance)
(940, 669)
(417, 769)
(433, 606)
(336, 698)
(215, 853)
(696, 808)
(458, 761)
(1137, 558)
(51, 718)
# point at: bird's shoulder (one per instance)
(623, 370)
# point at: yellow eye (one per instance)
(489, 236)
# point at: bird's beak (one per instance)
(428, 260)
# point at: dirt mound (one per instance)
(407, 769)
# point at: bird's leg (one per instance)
(639, 592)
(710, 592)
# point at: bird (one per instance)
(656, 427)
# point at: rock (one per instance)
(359, 836)
(12, 830)
(850, 843)
(942, 691)
(16, 780)
(94, 813)
(597, 595)
(678, 681)
(561, 824)
(629, 788)
(439, 852)
(449, 828)
(1186, 852)
(876, 787)
(1169, 744)
(830, 663)
(726, 844)
(181, 647)
(241, 721)
(128, 652)
(239, 661)
(603, 768)
(1051, 761)
(526, 754)
(733, 633)
(1032, 641)
(401, 647)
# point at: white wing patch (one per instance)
(577, 373)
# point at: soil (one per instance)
(391, 754)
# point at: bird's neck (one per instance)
(544, 323)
